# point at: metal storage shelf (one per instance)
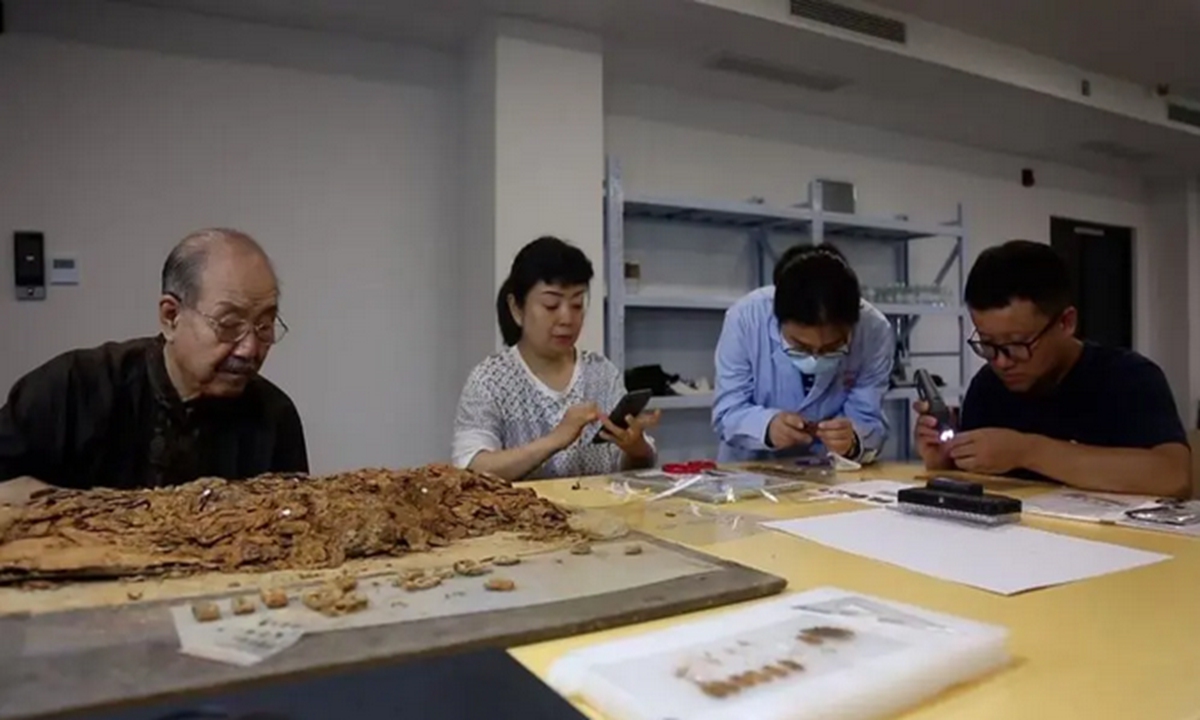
(840, 226)
(910, 310)
(679, 302)
(760, 221)
(663, 301)
(735, 215)
(754, 215)
(705, 400)
(909, 393)
(682, 402)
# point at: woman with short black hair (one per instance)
(533, 410)
(803, 363)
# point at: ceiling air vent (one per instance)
(1183, 114)
(764, 70)
(852, 19)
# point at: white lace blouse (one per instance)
(504, 405)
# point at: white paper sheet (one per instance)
(244, 640)
(1007, 559)
(540, 579)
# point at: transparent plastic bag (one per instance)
(715, 486)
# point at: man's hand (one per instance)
(631, 439)
(787, 430)
(927, 436)
(575, 419)
(991, 451)
(837, 435)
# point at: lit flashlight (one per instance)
(928, 392)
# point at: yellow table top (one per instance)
(1125, 645)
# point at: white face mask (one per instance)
(816, 364)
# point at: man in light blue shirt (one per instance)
(803, 364)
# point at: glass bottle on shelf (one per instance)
(633, 277)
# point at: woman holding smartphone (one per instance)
(533, 410)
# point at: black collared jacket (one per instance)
(110, 417)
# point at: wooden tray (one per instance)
(99, 658)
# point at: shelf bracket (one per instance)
(761, 237)
(950, 260)
(954, 255)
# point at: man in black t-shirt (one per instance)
(1047, 405)
(168, 409)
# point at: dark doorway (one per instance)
(1100, 259)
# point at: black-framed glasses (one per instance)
(232, 330)
(1015, 351)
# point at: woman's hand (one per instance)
(575, 419)
(632, 438)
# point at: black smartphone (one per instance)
(927, 391)
(632, 404)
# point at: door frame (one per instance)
(1137, 331)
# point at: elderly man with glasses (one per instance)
(1047, 405)
(164, 410)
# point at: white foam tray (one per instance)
(897, 656)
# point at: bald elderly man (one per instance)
(164, 410)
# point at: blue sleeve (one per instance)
(864, 403)
(736, 419)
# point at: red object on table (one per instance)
(689, 468)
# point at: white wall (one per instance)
(549, 125)
(350, 184)
(1167, 279)
(480, 334)
(679, 145)
(534, 150)
(1193, 302)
